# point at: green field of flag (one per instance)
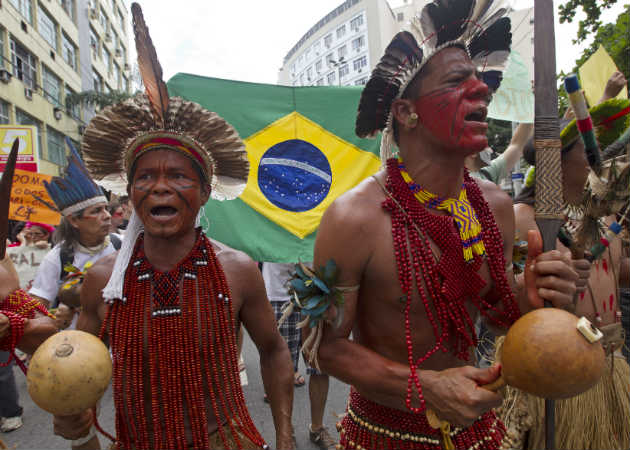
(303, 154)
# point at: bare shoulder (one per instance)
(499, 201)
(354, 210)
(98, 274)
(232, 260)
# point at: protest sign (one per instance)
(26, 260)
(24, 204)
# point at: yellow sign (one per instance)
(298, 168)
(594, 75)
(27, 154)
(27, 187)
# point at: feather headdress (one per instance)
(477, 26)
(75, 190)
(120, 134)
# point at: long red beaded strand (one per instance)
(449, 281)
(166, 305)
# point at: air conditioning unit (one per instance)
(108, 37)
(94, 13)
(28, 93)
(126, 68)
(118, 52)
(5, 75)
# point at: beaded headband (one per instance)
(479, 27)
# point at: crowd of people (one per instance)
(423, 256)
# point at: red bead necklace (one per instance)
(189, 348)
(448, 281)
(18, 306)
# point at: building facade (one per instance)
(342, 48)
(50, 49)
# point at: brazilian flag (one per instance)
(303, 154)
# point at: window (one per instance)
(358, 43)
(75, 110)
(25, 8)
(112, 4)
(328, 40)
(356, 22)
(360, 81)
(301, 79)
(299, 61)
(93, 42)
(56, 149)
(4, 112)
(23, 118)
(309, 73)
(116, 75)
(97, 79)
(24, 64)
(344, 70)
(360, 63)
(293, 68)
(68, 7)
(127, 85)
(318, 66)
(307, 55)
(69, 51)
(320, 82)
(329, 58)
(47, 27)
(341, 31)
(52, 86)
(400, 17)
(121, 21)
(106, 57)
(331, 78)
(341, 51)
(123, 53)
(1, 47)
(102, 18)
(317, 47)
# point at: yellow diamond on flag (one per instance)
(298, 168)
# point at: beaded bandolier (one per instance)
(449, 281)
(190, 351)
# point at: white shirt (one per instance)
(276, 276)
(47, 281)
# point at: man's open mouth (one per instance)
(163, 211)
(479, 115)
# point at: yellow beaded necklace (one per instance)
(460, 209)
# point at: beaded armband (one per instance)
(16, 331)
(316, 294)
(18, 307)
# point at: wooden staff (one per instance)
(549, 200)
(5, 196)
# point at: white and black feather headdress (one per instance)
(480, 27)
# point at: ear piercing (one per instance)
(412, 120)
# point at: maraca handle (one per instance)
(495, 385)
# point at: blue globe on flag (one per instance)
(294, 175)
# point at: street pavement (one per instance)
(37, 431)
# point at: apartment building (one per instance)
(342, 47)
(50, 49)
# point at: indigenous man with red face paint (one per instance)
(421, 248)
(174, 299)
